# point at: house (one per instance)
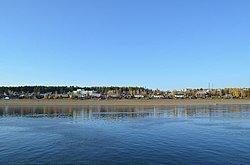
(79, 91)
(6, 98)
(114, 96)
(159, 96)
(63, 96)
(228, 96)
(179, 96)
(95, 95)
(1, 97)
(202, 94)
(138, 96)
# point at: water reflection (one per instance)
(204, 134)
(90, 112)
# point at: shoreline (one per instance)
(133, 102)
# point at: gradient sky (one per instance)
(166, 44)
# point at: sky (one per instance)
(165, 44)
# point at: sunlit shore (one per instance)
(124, 102)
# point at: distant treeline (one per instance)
(115, 90)
(67, 89)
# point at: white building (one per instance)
(138, 96)
(87, 93)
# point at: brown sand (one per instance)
(69, 102)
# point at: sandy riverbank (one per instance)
(69, 102)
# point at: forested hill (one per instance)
(66, 89)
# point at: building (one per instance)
(202, 94)
(86, 93)
(179, 96)
(138, 96)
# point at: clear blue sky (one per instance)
(166, 44)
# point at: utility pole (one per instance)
(209, 89)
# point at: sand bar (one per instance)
(71, 102)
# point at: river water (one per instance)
(194, 134)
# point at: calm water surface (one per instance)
(216, 134)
